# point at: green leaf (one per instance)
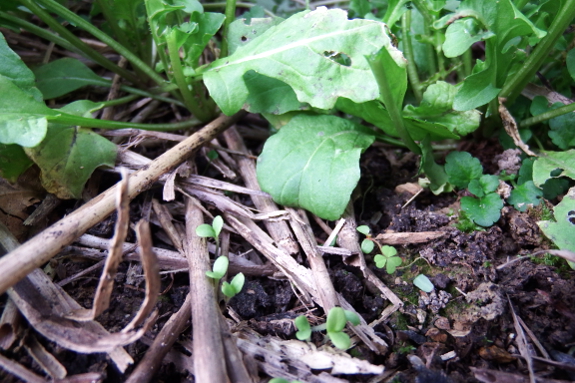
(524, 195)
(367, 246)
(484, 211)
(336, 320)
(220, 267)
(477, 90)
(238, 282)
(392, 264)
(388, 251)
(486, 184)
(554, 165)
(228, 290)
(561, 231)
(218, 224)
(22, 117)
(394, 76)
(395, 8)
(437, 108)
(562, 133)
(380, 261)
(438, 181)
(352, 317)
(242, 32)
(65, 75)
(570, 61)
(461, 168)
(13, 162)
(423, 283)
(304, 329)
(339, 339)
(13, 69)
(313, 163)
(205, 231)
(364, 229)
(268, 95)
(68, 157)
(194, 41)
(461, 35)
(300, 52)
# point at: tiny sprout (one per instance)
(235, 286)
(304, 329)
(220, 268)
(211, 231)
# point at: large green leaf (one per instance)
(561, 231)
(554, 165)
(308, 52)
(22, 117)
(243, 32)
(65, 75)
(14, 69)
(313, 163)
(13, 162)
(461, 35)
(437, 107)
(68, 156)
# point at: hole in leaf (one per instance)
(340, 58)
(244, 38)
(557, 172)
(571, 217)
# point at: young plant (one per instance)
(388, 254)
(423, 283)
(220, 267)
(336, 321)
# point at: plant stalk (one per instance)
(76, 42)
(230, 13)
(548, 115)
(106, 39)
(408, 51)
(376, 64)
(514, 85)
(177, 72)
(108, 124)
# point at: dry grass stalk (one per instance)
(278, 230)
(38, 250)
(208, 353)
(150, 363)
(10, 324)
(45, 360)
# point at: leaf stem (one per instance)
(515, 84)
(77, 43)
(239, 5)
(408, 52)
(64, 118)
(106, 39)
(548, 115)
(177, 72)
(376, 64)
(230, 13)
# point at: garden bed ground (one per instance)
(463, 331)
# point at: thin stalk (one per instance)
(40, 32)
(106, 39)
(119, 101)
(408, 52)
(548, 115)
(77, 43)
(177, 72)
(230, 16)
(515, 84)
(376, 64)
(107, 124)
(427, 22)
(467, 62)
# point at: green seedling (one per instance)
(212, 231)
(423, 283)
(220, 268)
(388, 254)
(336, 321)
(234, 287)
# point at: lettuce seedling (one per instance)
(388, 254)
(336, 321)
